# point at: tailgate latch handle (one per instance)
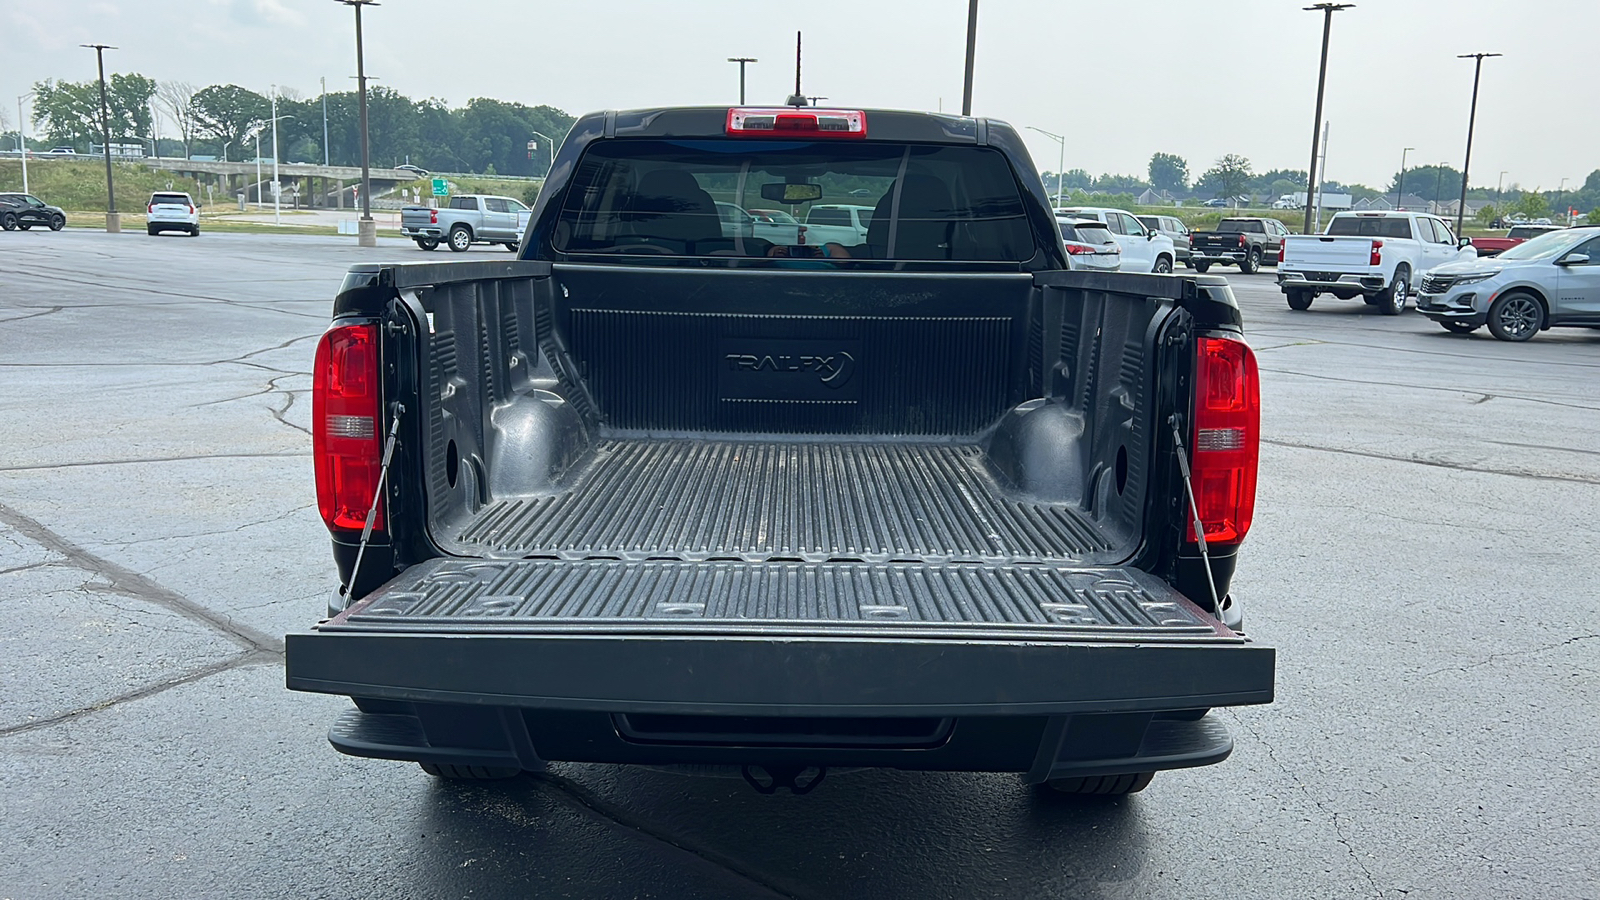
(397, 410)
(1194, 511)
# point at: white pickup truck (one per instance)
(1377, 256)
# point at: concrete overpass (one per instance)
(233, 177)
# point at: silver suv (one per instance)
(1549, 281)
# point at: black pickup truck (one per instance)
(651, 494)
(1243, 241)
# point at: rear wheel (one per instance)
(1299, 300)
(469, 773)
(1459, 327)
(1163, 265)
(8, 221)
(460, 239)
(1202, 267)
(428, 243)
(1392, 302)
(1103, 785)
(1251, 263)
(194, 231)
(1516, 316)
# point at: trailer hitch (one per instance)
(783, 776)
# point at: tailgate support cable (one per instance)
(1194, 512)
(397, 410)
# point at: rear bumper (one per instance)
(414, 232)
(1327, 281)
(1206, 256)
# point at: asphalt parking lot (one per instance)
(1425, 559)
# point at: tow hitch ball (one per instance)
(783, 777)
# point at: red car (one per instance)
(1518, 234)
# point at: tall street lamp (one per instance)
(1472, 119)
(22, 138)
(276, 214)
(552, 145)
(1400, 187)
(325, 123)
(1438, 181)
(1328, 9)
(972, 52)
(1559, 188)
(1499, 194)
(1061, 164)
(367, 229)
(741, 60)
(113, 220)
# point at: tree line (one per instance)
(1232, 175)
(224, 121)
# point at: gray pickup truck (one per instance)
(656, 494)
(466, 220)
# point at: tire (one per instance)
(460, 238)
(1459, 327)
(1202, 267)
(469, 773)
(9, 221)
(151, 230)
(1392, 301)
(58, 222)
(512, 247)
(427, 243)
(1299, 301)
(1516, 316)
(1163, 265)
(194, 231)
(1103, 785)
(1251, 264)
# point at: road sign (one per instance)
(441, 188)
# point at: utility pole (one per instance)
(972, 52)
(1060, 164)
(1328, 9)
(1317, 222)
(276, 212)
(325, 156)
(549, 142)
(22, 139)
(1400, 187)
(368, 229)
(742, 60)
(1472, 120)
(113, 220)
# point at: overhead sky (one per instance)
(1121, 78)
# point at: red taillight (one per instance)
(346, 440)
(788, 120)
(1377, 254)
(191, 210)
(1281, 245)
(1227, 439)
(433, 217)
(149, 209)
(1242, 241)
(1080, 250)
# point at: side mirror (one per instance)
(1149, 235)
(1573, 259)
(1464, 243)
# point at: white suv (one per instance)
(1143, 250)
(171, 211)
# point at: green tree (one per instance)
(1486, 215)
(1438, 183)
(67, 111)
(1229, 177)
(1169, 172)
(228, 113)
(1532, 204)
(1119, 184)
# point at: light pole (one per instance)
(741, 60)
(1328, 9)
(1438, 180)
(1559, 188)
(1472, 120)
(113, 220)
(1500, 194)
(1061, 164)
(225, 146)
(1400, 186)
(972, 51)
(258, 168)
(325, 122)
(22, 138)
(552, 145)
(276, 215)
(367, 229)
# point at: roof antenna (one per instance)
(797, 98)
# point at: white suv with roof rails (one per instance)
(172, 211)
(1143, 250)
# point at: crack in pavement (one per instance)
(53, 309)
(1423, 387)
(1333, 816)
(1436, 464)
(581, 798)
(133, 584)
(1496, 657)
(248, 658)
(197, 534)
(284, 454)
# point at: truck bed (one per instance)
(760, 501)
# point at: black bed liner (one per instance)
(755, 501)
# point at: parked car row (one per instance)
(1142, 248)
